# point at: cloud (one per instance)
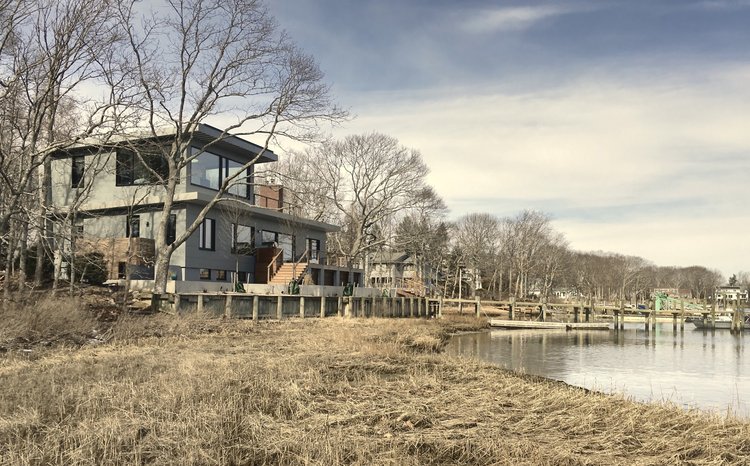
(510, 18)
(654, 165)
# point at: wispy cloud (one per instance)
(510, 18)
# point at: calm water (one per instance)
(708, 370)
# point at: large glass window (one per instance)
(207, 234)
(205, 170)
(210, 170)
(243, 240)
(131, 171)
(238, 186)
(283, 241)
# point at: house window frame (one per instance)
(223, 168)
(239, 251)
(77, 171)
(204, 274)
(171, 235)
(127, 165)
(130, 222)
(221, 275)
(203, 238)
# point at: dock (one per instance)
(530, 324)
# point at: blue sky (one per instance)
(627, 121)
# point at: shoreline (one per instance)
(332, 391)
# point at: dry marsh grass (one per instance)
(166, 391)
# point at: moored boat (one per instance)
(723, 322)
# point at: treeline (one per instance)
(376, 190)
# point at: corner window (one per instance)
(205, 274)
(210, 170)
(207, 234)
(77, 170)
(243, 240)
(204, 170)
(133, 226)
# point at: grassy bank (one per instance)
(375, 391)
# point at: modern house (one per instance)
(120, 206)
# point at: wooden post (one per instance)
(176, 304)
(622, 315)
(647, 315)
(714, 310)
(255, 308)
(674, 322)
(340, 307)
(402, 307)
(322, 307)
(302, 307)
(440, 307)
(228, 306)
(279, 307)
(200, 304)
(682, 315)
(542, 312)
(419, 308)
(411, 307)
(511, 303)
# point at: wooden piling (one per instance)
(340, 310)
(440, 307)
(279, 307)
(228, 306)
(682, 315)
(256, 303)
(510, 308)
(322, 307)
(301, 307)
(200, 304)
(411, 307)
(478, 307)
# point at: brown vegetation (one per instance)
(333, 391)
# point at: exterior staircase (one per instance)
(285, 273)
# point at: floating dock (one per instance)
(531, 324)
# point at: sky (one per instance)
(627, 122)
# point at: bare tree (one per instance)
(197, 59)
(48, 52)
(368, 179)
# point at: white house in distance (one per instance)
(731, 293)
(252, 243)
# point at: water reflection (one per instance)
(693, 368)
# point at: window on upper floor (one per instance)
(131, 171)
(210, 170)
(78, 165)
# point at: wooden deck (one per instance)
(530, 324)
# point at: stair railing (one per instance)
(272, 266)
(305, 256)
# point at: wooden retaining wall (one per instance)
(258, 307)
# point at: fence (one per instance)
(284, 306)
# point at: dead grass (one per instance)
(336, 391)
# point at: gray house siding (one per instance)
(105, 207)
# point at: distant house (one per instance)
(397, 271)
(731, 293)
(251, 243)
